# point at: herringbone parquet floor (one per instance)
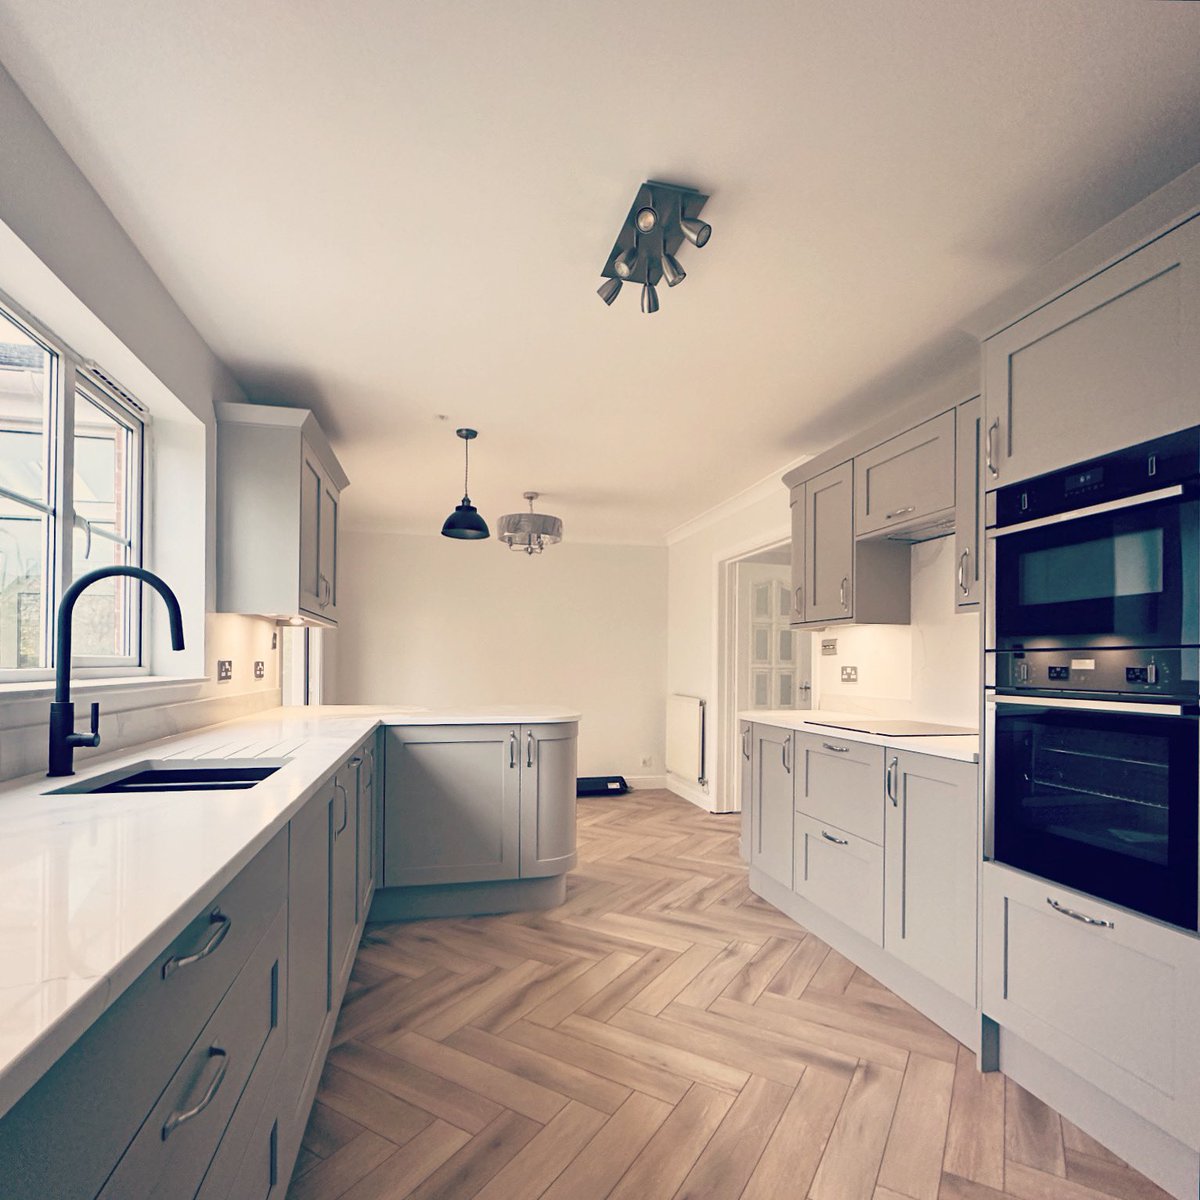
(663, 1034)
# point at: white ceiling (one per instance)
(388, 211)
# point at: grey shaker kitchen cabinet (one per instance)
(799, 554)
(931, 868)
(838, 781)
(829, 545)
(842, 874)
(968, 523)
(1110, 363)
(908, 480)
(278, 497)
(453, 803)
(548, 769)
(772, 793)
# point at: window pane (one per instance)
(22, 580)
(104, 461)
(24, 408)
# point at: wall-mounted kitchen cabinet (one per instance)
(837, 580)
(968, 524)
(478, 803)
(906, 484)
(1113, 362)
(279, 487)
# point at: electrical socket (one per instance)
(224, 670)
(260, 669)
(849, 674)
(829, 646)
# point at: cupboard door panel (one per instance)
(829, 544)
(1113, 362)
(932, 875)
(548, 775)
(312, 490)
(907, 478)
(798, 554)
(746, 785)
(452, 796)
(343, 875)
(771, 847)
(968, 524)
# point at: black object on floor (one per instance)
(601, 785)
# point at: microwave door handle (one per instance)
(1093, 510)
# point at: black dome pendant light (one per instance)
(465, 522)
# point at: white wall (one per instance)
(429, 621)
(66, 260)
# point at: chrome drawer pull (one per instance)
(512, 748)
(842, 591)
(337, 833)
(220, 927)
(746, 742)
(356, 761)
(989, 453)
(836, 841)
(835, 749)
(1078, 916)
(890, 782)
(529, 748)
(962, 572)
(901, 512)
(180, 1116)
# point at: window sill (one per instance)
(44, 688)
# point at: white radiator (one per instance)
(685, 737)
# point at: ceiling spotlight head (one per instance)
(646, 219)
(673, 273)
(609, 290)
(649, 298)
(624, 263)
(696, 231)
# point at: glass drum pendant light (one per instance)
(531, 532)
(465, 522)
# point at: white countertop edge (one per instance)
(22, 1071)
(962, 747)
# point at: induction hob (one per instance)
(893, 727)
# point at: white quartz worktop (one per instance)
(95, 886)
(962, 747)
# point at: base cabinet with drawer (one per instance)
(772, 798)
(1107, 994)
(198, 1080)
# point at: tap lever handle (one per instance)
(96, 721)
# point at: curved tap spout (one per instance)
(63, 738)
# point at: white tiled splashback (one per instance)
(130, 717)
(928, 670)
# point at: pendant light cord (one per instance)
(466, 466)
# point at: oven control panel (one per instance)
(1150, 673)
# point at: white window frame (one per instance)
(72, 373)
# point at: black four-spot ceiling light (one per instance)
(662, 218)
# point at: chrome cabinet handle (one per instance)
(994, 427)
(1078, 916)
(799, 601)
(963, 559)
(901, 512)
(842, 590)
(220, 927)
(337, 833)
(529, 748)
(835, 840)
(835, 749)
(785, 746)
(890, 783)
(512, 748)
(322, 591)
(746, 742)
(356, 761)
(181, 1116)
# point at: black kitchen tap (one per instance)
(63, 738)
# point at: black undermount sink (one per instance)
(195, 775)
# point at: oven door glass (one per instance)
(1121, 578)
(1102, 802)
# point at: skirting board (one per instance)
(954, 1015)
(645, 783)
(468, 899)
(690, 791)
(1174, 1167)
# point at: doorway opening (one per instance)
(764, 663)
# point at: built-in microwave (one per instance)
(1104, 555)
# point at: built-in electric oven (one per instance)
(1100, 796)
(1092, 677)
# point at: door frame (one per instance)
(727, 793)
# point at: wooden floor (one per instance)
(663, 1034)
